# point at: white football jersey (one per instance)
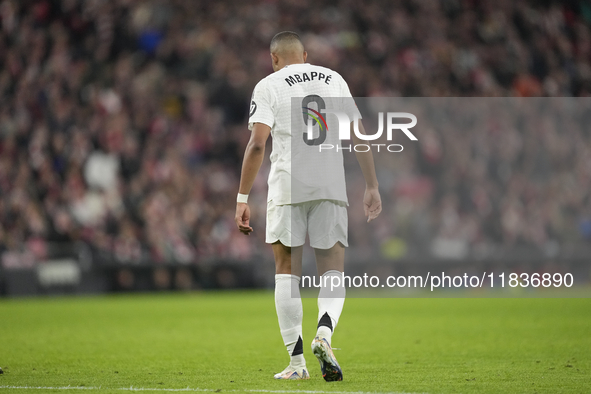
(291, 102)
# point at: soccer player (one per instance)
(317, 204)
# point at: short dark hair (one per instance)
(285, 37)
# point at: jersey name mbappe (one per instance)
(314, 76)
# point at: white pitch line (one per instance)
(195, 390)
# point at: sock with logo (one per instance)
(331, 299)
(290, 313)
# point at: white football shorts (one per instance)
(325, 222)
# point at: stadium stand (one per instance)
(122, 123)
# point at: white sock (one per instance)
(290, 313)
(331, 299)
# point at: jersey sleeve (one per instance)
(261, 106)
(348, 102)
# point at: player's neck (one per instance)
(292, 61)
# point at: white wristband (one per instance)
(242, 198)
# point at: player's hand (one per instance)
(243, 218)
(372, 203)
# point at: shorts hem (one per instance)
(343, 242)
(283, 242)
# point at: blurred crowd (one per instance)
(123, 122)
(485, 172)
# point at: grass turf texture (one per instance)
(230, 341)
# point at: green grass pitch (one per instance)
(230, 342)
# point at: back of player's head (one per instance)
(285, 43)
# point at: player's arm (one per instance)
(253, 158)
(372, 202)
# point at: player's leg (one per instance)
(328, 237)
(288, 272)
(331, 298)
(287, 260)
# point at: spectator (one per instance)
(121, 122)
